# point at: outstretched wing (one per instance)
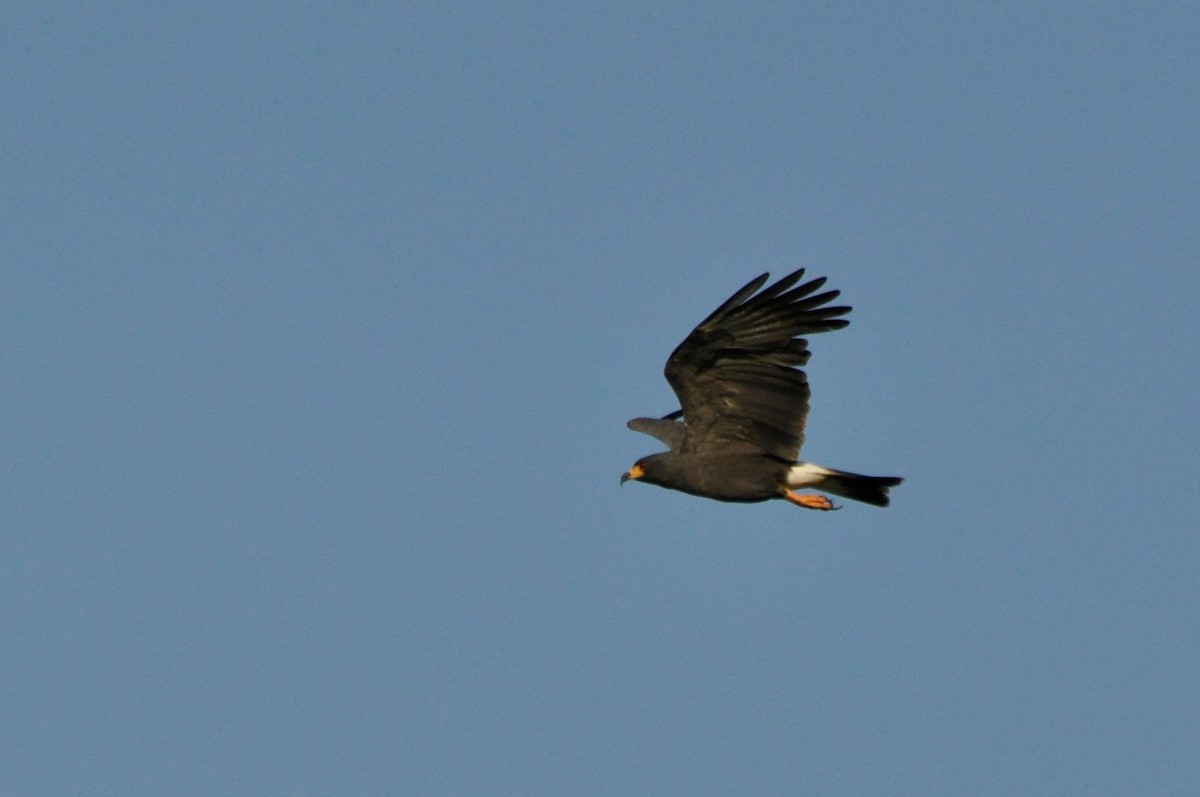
(737, 375)
(669, 432)
(669, 429)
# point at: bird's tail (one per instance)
(856, 487)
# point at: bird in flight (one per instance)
(744, 403)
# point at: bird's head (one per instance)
(647, 469)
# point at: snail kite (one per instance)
(744, 403)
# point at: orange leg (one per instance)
(810, 501)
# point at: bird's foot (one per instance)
(811, 501)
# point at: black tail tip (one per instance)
(867, 489)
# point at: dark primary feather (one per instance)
(737, 376)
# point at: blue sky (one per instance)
(321, 324)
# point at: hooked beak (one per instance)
(634, 473)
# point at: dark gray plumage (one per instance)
(744, 403)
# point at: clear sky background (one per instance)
(321, 323)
